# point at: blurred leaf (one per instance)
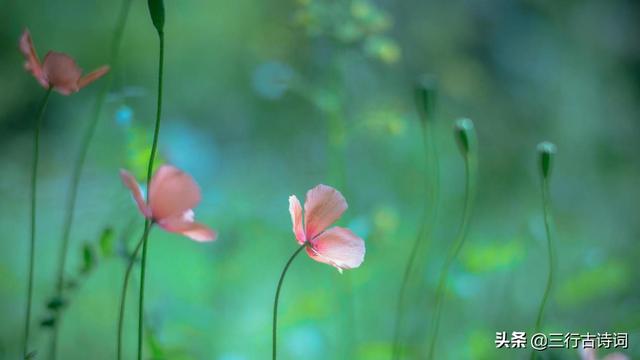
(88, 258)
(605, 279)
(48, 322)
(107, 242)
(56, 303)
(482, 257)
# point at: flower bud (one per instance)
(546, 151)
(465, 135)
(156, 10)
(425, 97)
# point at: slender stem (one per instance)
(123, 294)
(426, 225)
(80, 161)
(470, 169)
(32, 244)
(547, 227)
(148, 223)
(275, 302)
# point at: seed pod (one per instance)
(156, 10)
(425, 96)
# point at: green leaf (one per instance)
(106, 242)
(56, 303)
(48, 322)
(88, 258)
(156, 10)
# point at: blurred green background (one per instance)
(268, 99)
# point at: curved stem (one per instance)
(123, 294)
(32, 244)
(275, 302)
(547, 227)
(80, 161)
(426, 225)
(148, 223)
(470, 169)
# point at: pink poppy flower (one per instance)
(172, 196)
(58, 70)
(336, 246)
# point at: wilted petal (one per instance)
(186, 226)
(92, 76)
(62, 72)
(323, 206)
(338, 247)
(32, 64)
(132, 184)
(296, 218)
(172, 192)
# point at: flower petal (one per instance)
(62, 72)
(338, 247)
(296, 218)
(32, 64)
(92, 76)
(132, 184)
(171, 193)
(323, 206)
(186, 226)
(616, 356)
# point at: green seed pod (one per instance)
(425, 96)
(156, 10)
(546, 151)
(465, 134)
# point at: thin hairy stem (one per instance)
(275, 302)
(426, 227)
(148, 223)
(469, 195)
(32, 243)
(80, 161)
(123, 294)
(547, 227)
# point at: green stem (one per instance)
(80, 161)
(32, 244)
(275, 302)
(470, 170)
(148, 223)
(547, 227)
(426, 225)
(123, 294)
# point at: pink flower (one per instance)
(172, 196)
(58, 70)
(590, 354)
(335, 246)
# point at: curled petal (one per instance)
(32, 64)
(92, 76)
(171, 193)
(296, 218)
(322, 207)
(130, 182)
(338, 247)
(186, 226)
(61, 72)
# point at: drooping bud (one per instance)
(465, 135)
(156, 10)
(546, 151)
(425, 97)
